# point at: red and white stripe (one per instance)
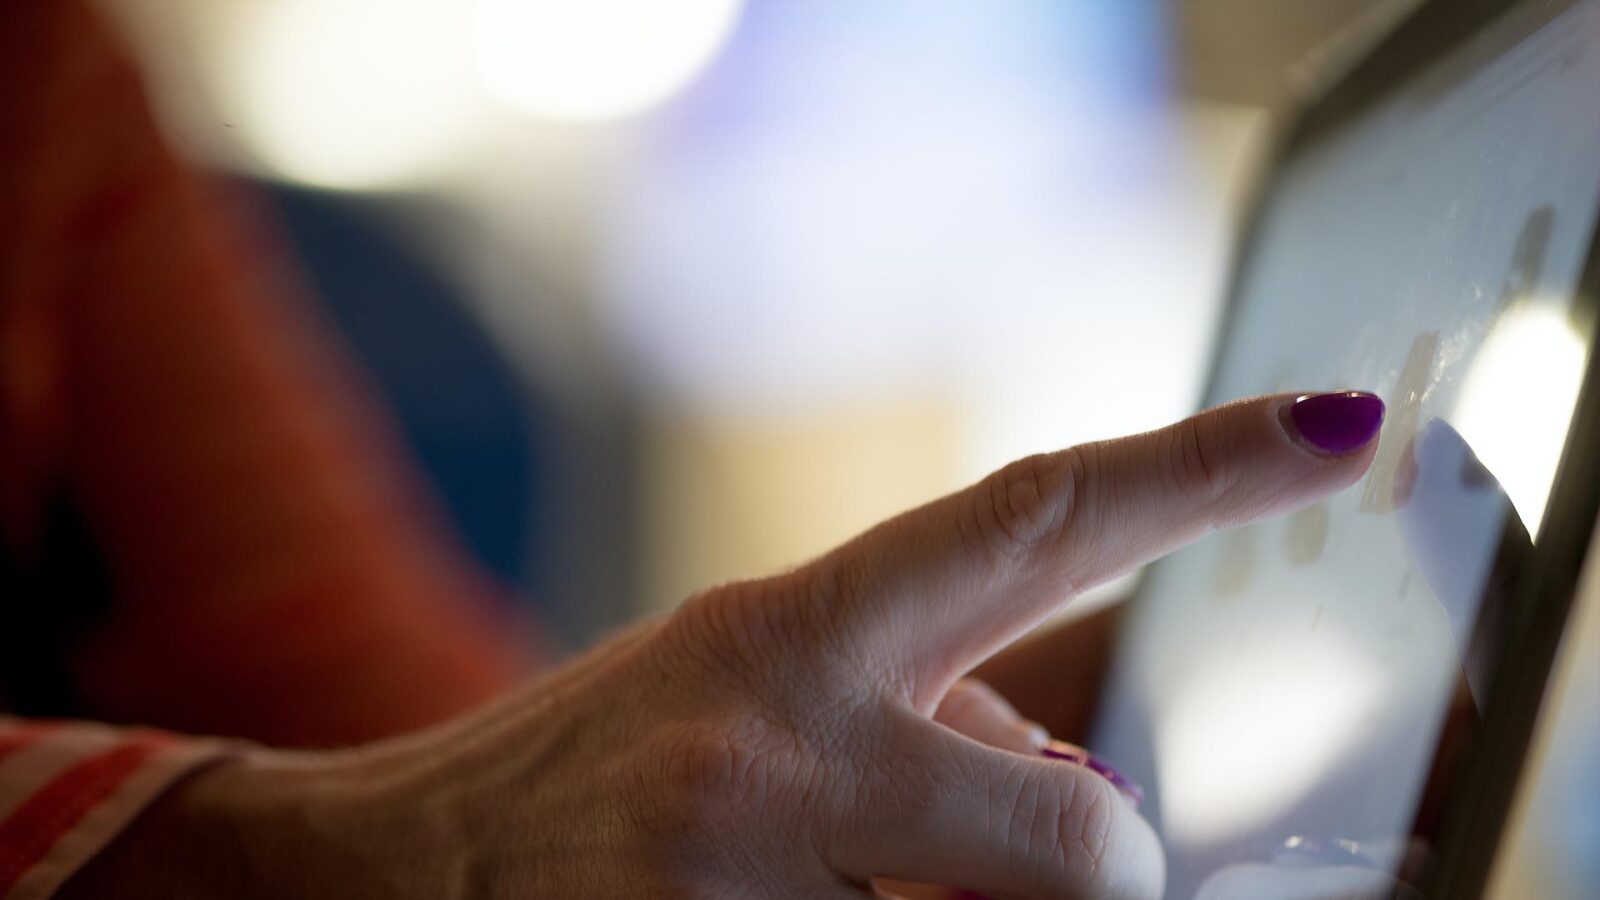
(68, 788)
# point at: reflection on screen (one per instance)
(1291, 680)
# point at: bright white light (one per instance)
(1516, 402)
(596, 59)
(1247, 736)
(349, 94)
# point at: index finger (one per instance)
(938, 589)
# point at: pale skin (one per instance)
(794, 736)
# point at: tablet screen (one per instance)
(1285, 686)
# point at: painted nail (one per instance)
(1077, 755)
(1118, 780)
(1062, 750)
(1336, 423)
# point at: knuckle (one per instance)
(832, 594)
(711, 769)
(705, 776)
(732, 627)
(780, 638)
(1193, 458)
(1027, 503)
(705, 795)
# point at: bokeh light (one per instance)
(1245, 738)
(925, 168)
(348, 94)
(1517, 399)
(595, 59)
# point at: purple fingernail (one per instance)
(1071, 753)
(1118, 780)
(1065, 751)
(1336, 423)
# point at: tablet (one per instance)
(1343, 696)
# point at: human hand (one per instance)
(775, 737)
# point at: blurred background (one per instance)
(669, 294)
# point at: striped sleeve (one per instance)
(68, 788)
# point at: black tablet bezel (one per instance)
(1474, 815)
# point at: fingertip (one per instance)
(1284, 451)
(1142, 870)
(1130, 862)
(1336, 424)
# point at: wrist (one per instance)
(242, 827)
